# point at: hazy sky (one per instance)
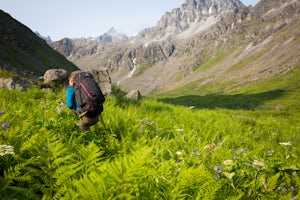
(89, 18)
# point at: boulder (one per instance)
(103, 79)
(15, 83)
(56, 76)
(134, 94)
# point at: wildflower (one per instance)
(286, 143)
(178, 153)
(245, 151)
(206, 147)
(150, 123)
(196, 153)
(58, 109)
(292, 198)
(58, 135)
(6, 149)
(258, 163)
(218, 169)
(44, 149)
(5, 125)
(279, 188)
(270, 152)
(142, 120)
(235, 157)
(218, 176)
(292, 188)
(228, 162)
(180, 162)
(1, 112)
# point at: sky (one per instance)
(90, 18)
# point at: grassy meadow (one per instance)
(186, 144)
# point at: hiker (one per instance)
(84, 96)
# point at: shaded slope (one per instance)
(21, 50)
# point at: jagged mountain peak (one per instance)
(197, 15)
(112, 36)
(112, 30)
(47, 39)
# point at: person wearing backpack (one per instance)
(84, 96)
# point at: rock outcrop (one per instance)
(134, 94)
(15, 83)
(56, 76)
(103, 79)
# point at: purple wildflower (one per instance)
(5, 125)
(218, 169)
(1, 112)
(180, 162)
(218, 176)
(292, 188)
(195, 153)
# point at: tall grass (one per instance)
(236, 146)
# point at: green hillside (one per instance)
(275, 93)
(21, 50)
(243, 144)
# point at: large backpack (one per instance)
(88, 94)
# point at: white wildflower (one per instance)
(228, 162)
(286, 143)
(258, 163)
(6, 149)
(207, 147)
(178, 153)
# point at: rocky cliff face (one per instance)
(194, 13)
(242, 42)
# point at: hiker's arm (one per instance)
(70, 98)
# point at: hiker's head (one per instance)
(71, 78)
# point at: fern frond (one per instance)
(273, 182)
(196, 183)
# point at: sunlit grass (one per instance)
(242, 144)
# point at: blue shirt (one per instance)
(70, 98)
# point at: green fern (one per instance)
(272, 183)
(195, 183)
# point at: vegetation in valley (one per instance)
(243, 144)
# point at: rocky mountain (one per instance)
(75, 49)
(23, 52)
(192, 17)
(208, 41)
(47, 39)
(111, 36)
